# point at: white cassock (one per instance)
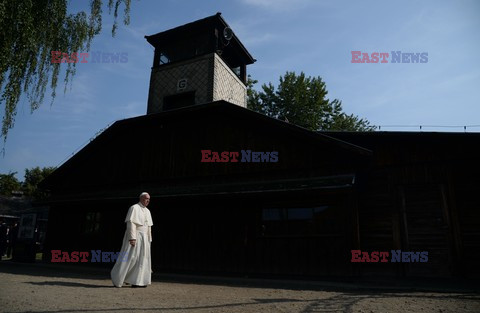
(134, 263)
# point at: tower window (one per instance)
(179, 100)
(237, 71)
(184, 49)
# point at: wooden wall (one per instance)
(419, 195)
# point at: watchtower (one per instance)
(196, 63)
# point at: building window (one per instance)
(301, 221)
(184, 49)
(277, 214)
(180, 100)
(237, 71)
(92, 222)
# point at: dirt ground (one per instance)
(50, 288)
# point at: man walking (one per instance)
(134, 263)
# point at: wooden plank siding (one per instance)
(420, 196)
(232, 238)
(464, 199)
(329, 193)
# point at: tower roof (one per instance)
(212, 25)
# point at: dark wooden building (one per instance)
(295, 215)
(299, 210)
(302, 215)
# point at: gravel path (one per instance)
(46, 288)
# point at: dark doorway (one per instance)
(427, 229)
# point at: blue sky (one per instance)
(314, 36)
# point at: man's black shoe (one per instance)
(138, 286)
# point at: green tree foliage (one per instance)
(29, 31)
(9, 183)
(302, 101)
(33, 177)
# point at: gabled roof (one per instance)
(163, 150)
(240, 112)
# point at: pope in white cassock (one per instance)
(134, 267)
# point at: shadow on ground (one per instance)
(344, 285)
(337, 303)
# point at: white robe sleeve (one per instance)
(150, 233)
(131, 231)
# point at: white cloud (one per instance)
(259, 39)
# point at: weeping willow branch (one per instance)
(29, 31)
